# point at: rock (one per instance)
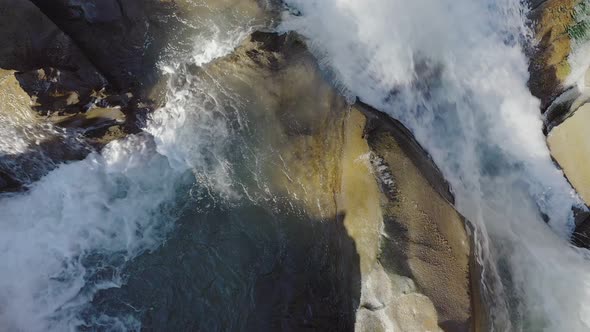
(75, 55)
(50, 65)
(29, 145)
(75, 59)
(581, 236)
(306, 157)
(32, 144)
(303, 113)
(420, 157)
(328, 151)
(123, 39)
(560, 26)
(570, 146)
(549, 65)
(424, 238)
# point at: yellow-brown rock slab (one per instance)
(15, 103)
(570, 146)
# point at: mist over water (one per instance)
(453, 71)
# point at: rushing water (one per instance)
(454, 72)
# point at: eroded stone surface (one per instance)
(316, 252)
(425, 239)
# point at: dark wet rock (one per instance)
(122, 39)
(581, 236)
(74, 54)
(8, 183)
(57, 91)
(30, 148)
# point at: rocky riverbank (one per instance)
(560, 78)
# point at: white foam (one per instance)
(106, 203)
(454, 73)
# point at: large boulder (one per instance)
(570, 147)
(425, 242)
(351, 163)
(365, 240)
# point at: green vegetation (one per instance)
(580, 30)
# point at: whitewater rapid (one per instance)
(453, 71)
